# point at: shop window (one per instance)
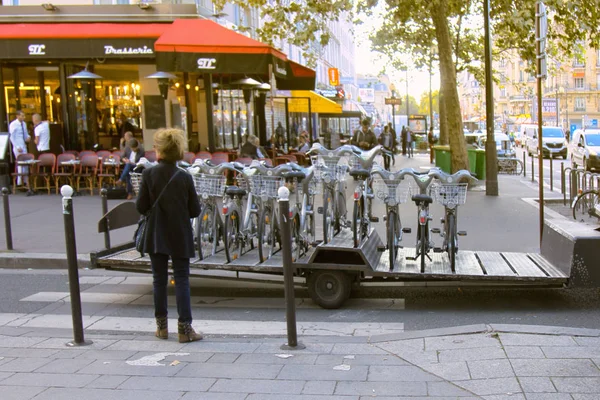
(579, 103)
(598, 81)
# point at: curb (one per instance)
(16, 260)
(487, 328)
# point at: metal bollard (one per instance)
(524, 163)
(103, 193)
(67, 203)
(7, 226)
(288, 274)
(563, 186)
(573, 187)
(551, 174)
(532, 170)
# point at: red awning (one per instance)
(206, 36)
(82, 31)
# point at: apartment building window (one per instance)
(579, 83)
(598, 81)
(598, 57)
(503, 92)
(579, 103)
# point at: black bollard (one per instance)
(288, 273)
(7, 227)
(532, 170)
(551, 174)
(104, 193)
(525, 163)
(67, 192)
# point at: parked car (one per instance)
(585, 149)
(553, 141)
(472, 139)
(504, 146)
(521, 135)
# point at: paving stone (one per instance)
(322, 372)
(27, 353)
(70, 353)
(490, 369)
(65, 366)
(319, 387)
(450, 371)
(587, 341)
(213, 396)
(571, 352)
(577, 385)
(139, 345)
(258, 386)
(106, 355)
(106, 394)
(171, 383)
(49, 380)
(108, 382)
(420, 398)
(298, 397)
(488, 353)
(220, 347)
(524, 352)
(232, 371)
(406, 373)
(512, 396)
(59, 343)
(522, 339)
(24, 364)
(264, 358)
(223, 358)
(548, 396)
(275, 348)
(103, 367)
(579, 396)
(4, 375)
(461, 342)
(376, 389)
(537, 385)
(356, 348)
(359, 359)
(4, 360)
(20, 392)
(486, 387)
(554, 367)
(11, 342)
(445, 389)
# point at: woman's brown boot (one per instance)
(187, 333)
(162, 329)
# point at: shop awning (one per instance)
(298, 77)
(318, 104)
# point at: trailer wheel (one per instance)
(329, 289)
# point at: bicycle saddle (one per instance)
(360, 173)
(422, 198)
(294, 174)
(234, 191)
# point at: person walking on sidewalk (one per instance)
(403, 140)
(409, 142)
(170, 194)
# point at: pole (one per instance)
(491, 154)
(430, 93)
(288, 273)
(407, 97)
(287, 125)
(524, 163)
(7, 227)
(532, 170)
(551, 176)
(538, 47)
(394, 116)
(3, 116)
(104, 194)
(563, 186)
(310, 122)
(67, 192)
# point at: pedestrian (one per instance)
(377, 130)
(248, 148)
(123, 125)
(409, 142)
(431, 141)
(169, 230)
(393, 132)
(41, 131)
(364, 138)
(131, 157)
(303, 143)
(388, 141)
(403, 139)
(19, 137)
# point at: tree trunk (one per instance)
(449, 87)
(443, 122)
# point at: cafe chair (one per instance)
(204, 155)
(87, 153)
(244, 161)
(64, 172)
(189, 157)
(25, 173)
(103, 153)
(267, 161)
(45, 170)
(220, 157)
(117, 153)
(74, 152)
(88, 170)
(110, 167)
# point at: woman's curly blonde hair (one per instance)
(170, 144)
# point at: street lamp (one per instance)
(247, 84)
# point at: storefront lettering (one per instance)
(280, 70)
(37, 49)
(207, 63)
(127, 50)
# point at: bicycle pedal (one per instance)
(320, 210)
(461, 233)
(438, 250)
(374, 219)
(406, 230)
(435, 230)
(381, 249)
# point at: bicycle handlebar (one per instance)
(456, 177)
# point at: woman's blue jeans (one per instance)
(181, 273)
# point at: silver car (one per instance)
(585, 149)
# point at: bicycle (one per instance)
(387, 188)
(586, 207)
(303, 188)
(450, 192)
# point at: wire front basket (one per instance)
(390, 191)
(136, 181)
(209, 185)
(329, 168)
(266, 186)
(449, 194)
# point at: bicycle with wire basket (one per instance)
(586, 207)
(451, 192)
(387, 187)
(330, 168)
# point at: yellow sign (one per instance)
(334, 76)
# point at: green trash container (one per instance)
(443, 158)
(480, 164)
(472, 156)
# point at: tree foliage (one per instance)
(424, 102)
(303, 23)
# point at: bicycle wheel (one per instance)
(392, 243)
(583, 207)
(519, 167)
(357, 222)
(297, 247)
(205, 232)
(328, 216)
(253, 238)
(265, 234)
(231, 236)
(340, 211)
(451, 238)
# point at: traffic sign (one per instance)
(393, 101)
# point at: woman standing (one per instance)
(169, 230)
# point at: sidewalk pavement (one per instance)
(492, 362)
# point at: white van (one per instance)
(554, 142)
(521, 136)
(585, 149)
